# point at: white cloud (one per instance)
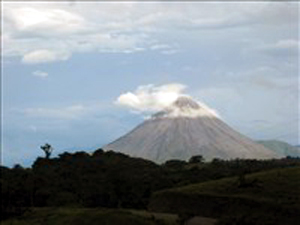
(151, 98)
(33, 128)
(45, 20)
(271, 78)
(159, 46)
(123, 27)
(52, 32)
(87, 111)
(169, 51)
(40, 74)
(70, 112)
(285, 47)
(289, 43)
(44, 56)
(165, 48)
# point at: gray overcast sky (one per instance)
(65, 65)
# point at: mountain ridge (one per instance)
(280, 147)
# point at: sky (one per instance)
(74, 74)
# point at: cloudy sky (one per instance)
(74, 74)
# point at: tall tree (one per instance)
(47, 148)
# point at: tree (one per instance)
(196, 159)
(47, 149)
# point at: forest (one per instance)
(111, 180)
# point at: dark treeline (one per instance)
(110, 179)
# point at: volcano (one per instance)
(184, 129)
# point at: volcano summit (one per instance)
(184, 129)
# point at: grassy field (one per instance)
(100, 216)
(273, 195)
(280, 185)
(81, 216)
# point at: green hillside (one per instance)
(280, 147)
(85, 216)
(271, 197)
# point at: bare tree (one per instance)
(47, 149)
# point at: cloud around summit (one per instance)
(151, 98)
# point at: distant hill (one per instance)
(282, 148)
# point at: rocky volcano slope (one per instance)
(185, 129)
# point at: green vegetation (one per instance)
(274, 181)
(80, 216)
(271, 197)
(117, 182)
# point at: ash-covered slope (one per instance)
(185, 129)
